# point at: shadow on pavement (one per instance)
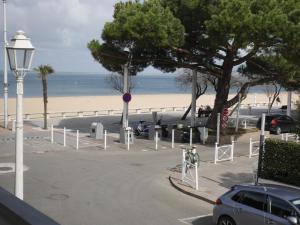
(207, 220)
(229, 179)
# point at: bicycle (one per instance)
(191, 158)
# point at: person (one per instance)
(208, 111)
(278, 101)
(200, 112)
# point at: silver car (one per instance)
(261, 204)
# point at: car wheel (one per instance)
(226, 220)
(278, 130)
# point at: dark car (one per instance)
(258, 205)
(277, 124)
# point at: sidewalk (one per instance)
(216, 179)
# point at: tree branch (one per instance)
(245, 58)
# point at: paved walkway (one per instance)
(215, 180)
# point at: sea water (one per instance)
(81, 84)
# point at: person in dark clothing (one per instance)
(200, 112)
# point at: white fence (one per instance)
(224, 153)
(33, 116)
(253, 148)
(290, 137)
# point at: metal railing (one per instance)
(253, 148)
(224, 153)
(290, 137)
(108, 112)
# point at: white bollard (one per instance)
(13, 129)
(232, 149)
(204, 131)
(172, 138)
(191, 136)
(216, 153)
(282, 137)
(64, 137)
(245, 124)
(250, 148)
(286, 137)
(183, 166)
(77, 140)
(156, 140)
(218, 127)
(52, 135)
(128, 141)
(196, 176)
(105, 134)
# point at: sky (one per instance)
(60, 31)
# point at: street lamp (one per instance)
(5, 83)
(20, 53)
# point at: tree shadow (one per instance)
(206, 220)
(229, 179)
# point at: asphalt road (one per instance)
(95, 187)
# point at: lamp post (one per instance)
(20, 53)
(5, 85)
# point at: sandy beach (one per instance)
(90, 103)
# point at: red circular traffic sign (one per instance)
(127, 97)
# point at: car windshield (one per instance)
(296, 203)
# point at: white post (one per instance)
(286, 137)
(5, 84)
(297, 138)
(216, 153)
(193, 109)
(245, 124)
(64, 137)
(261, 146)
(156, 140)
(196, 176)
(289, 103)
(232, 149)
(191, 136)
(128, 140)
(263, 124)
(13, 129)
(204, 131)
(282, 137)
(77, 140)
(255, 99)
(19, 138)
(105, 135)
(125, 90)
(238, 115)
(52, 135)
(250, 148)
(218, 128)
(172, 138)
(183, 165)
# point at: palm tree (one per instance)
(43, 71)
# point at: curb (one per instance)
(189, 193)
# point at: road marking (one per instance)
(190, 219)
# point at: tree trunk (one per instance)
(186, 112)
(45, 99)
(223, 87)
(121, 121)
(198, 94)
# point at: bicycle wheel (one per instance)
(188, 161)
(197, 159)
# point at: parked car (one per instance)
(277, 124)
(262, 204)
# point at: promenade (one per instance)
(117, 186)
